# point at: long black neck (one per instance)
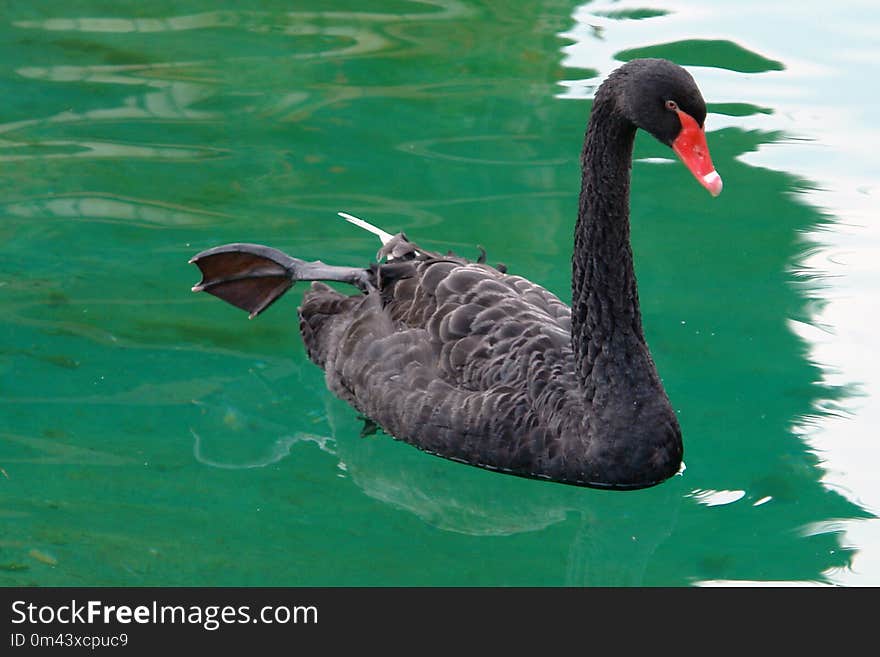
(605, 305)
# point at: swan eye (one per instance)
(671, 105)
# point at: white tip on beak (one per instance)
(712, 181)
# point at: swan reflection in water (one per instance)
(599, 539)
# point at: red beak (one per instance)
(690, 146)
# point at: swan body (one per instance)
(468, 362)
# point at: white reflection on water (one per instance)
(258, 21)
(176, 88)
(167, 99)
(109, 208)
(717, 497)
(826, 105)
(355, 40)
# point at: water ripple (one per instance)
(251, 20)
(484, 144)
(110, 208)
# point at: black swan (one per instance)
(464, 361)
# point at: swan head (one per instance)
(663, 99)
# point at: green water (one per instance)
(149, 436)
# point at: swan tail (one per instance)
(253, 277)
